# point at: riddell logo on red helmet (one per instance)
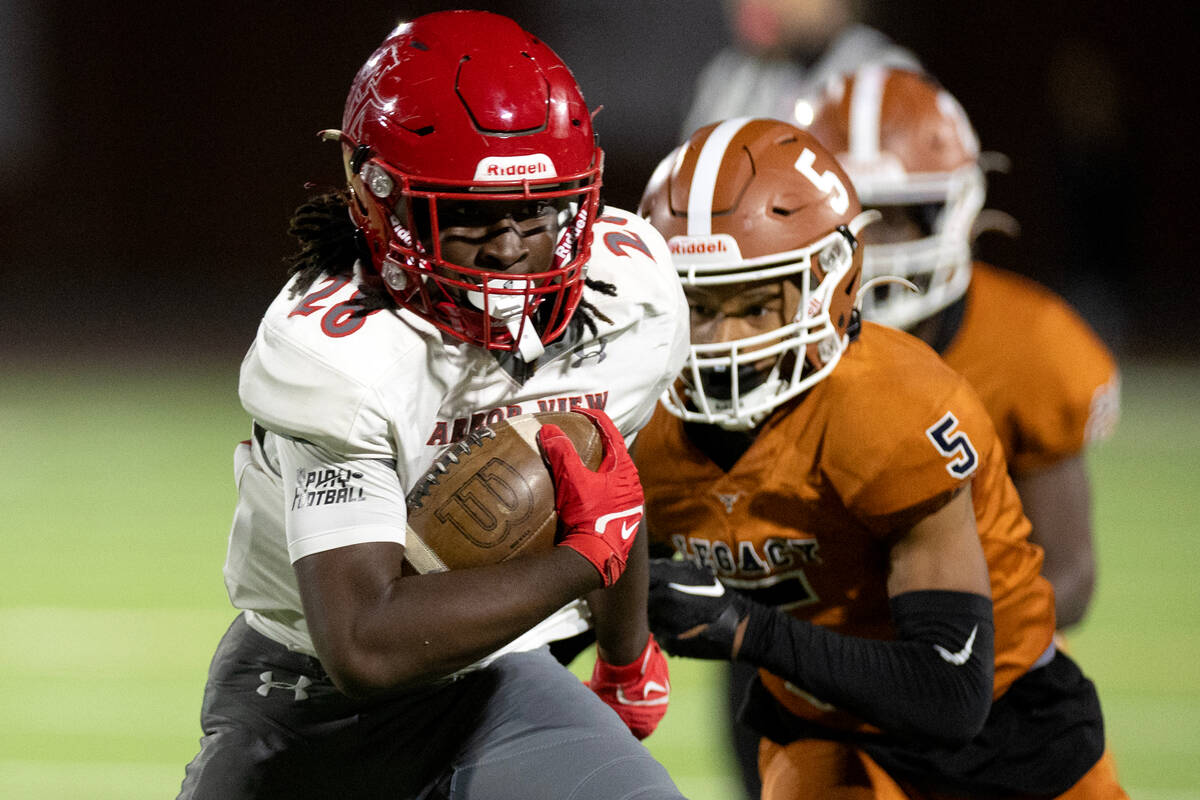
(717, 248)
(508, 168)
(515, 170)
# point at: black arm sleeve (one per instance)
(934, 680)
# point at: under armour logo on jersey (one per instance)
(594, 352)
(269, 683)
(728, 500)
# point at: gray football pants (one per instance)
(523, 728)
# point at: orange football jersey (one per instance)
(804, 520)
(1048, 382)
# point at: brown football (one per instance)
(490, 497)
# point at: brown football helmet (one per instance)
(906, 142)
(751, 200)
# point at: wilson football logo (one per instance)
(490, 497)
(485, 509)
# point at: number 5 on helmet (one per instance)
(599, 511)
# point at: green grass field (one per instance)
(120, 492)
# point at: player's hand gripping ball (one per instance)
(599, 510)
(491, 496)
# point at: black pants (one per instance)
(1040, 738)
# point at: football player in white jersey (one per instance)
(467, 274)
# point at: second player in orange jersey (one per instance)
(1049, 384)
(843, 509)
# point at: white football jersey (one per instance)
(349, 412)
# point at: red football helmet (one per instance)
(464, 111)
(749, 200)
(906, 143)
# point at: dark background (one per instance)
(150, 156)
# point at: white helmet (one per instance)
(905, 141)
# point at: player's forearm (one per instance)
(619, 612)
(1073, 588)
(933, 681)
(1057, 500)
(416, 629)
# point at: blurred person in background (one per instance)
(1050, 385)
(841, 508)
(452, 280)
(783, 52)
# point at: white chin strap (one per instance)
(508, 308)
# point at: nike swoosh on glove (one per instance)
(691, 612)
(638, 692)
(600, 510)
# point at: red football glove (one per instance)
(599, 511)
(638, 692)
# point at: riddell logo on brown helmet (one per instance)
(505, 168)
(687, 248)
(719, 247)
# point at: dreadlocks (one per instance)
(587, 312)
(329, 245)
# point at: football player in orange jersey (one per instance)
(1048, 382)
(842, 506)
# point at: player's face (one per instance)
(504, 236)
(739, 311)
(723, 314)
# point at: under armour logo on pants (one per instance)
(269, 683)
